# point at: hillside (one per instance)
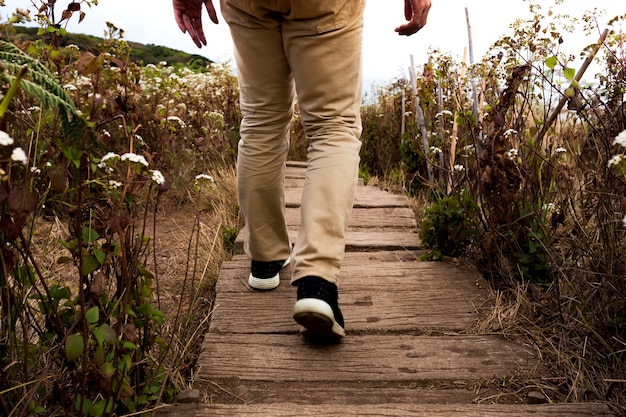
(141, 53)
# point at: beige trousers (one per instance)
(312, 49)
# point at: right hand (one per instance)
(416, 13)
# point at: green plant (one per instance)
(448, 225)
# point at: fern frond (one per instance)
(43, 85)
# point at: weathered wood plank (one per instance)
(375, 239)
(392, 358)
(390, 410)
(365, 196)
(379, 293)
(363, 218)
(234, 391)
(294, 180)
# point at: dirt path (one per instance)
(411, 349)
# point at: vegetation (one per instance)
(533, 195)
(99, 147)
(139, 53)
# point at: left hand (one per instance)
(188, 15)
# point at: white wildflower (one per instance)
(106, 134)
(18, 155)
(548, 207)
(111, 155)
(163, 63)
(70, 87)
(468, 148)
(157, 177)
(34, 109)
(35, 170)
(48, 164)
(133, 157)
(620, 139)
(510, 132)
(115, 184)
(459, 168)
(72, 46)
(205, 177)
(435, 150)
(560, 150)
(443, 113)
(512, 153)
(177, 120)
(5, 139)
(616, 160)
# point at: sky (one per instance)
(386, 55)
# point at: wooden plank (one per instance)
(389, 410)
(364, 218)
(361, 240)
(234, 391)
(392, 358)
(377, 294)
(365, 196)
(293, 180)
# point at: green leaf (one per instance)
(109, 335)
(90, 235)
(551, 62)
(100, 255)
(569, 73)
(107, 370)
(90, 264)
(570, 92)
(92, 315)
(74, 346)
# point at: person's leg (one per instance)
(322, 41)
(324, 53)
(266, 97)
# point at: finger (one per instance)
(199, 31)
(408, 10)
(408, 29)
(211, 10)
(192, 30)
(178, 15)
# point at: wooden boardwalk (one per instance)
(407, 351)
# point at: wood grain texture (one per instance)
(379, 292)
(291, 358)
(364, 218)
(365, 196)
(372, 239)
(391, 410)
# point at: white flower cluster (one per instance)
(18, 154)
(512, 153)
(133, 157)
(620, 140)
(435, 150)
(111, 158)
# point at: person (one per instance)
(312, 50)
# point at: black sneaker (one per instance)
(266, 275)
(317, 309)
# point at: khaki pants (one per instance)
(311, 48)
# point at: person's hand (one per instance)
(188, 15)
(415, 12)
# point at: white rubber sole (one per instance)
(266, 283)
(317, 319)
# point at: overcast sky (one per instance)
(386, 54)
